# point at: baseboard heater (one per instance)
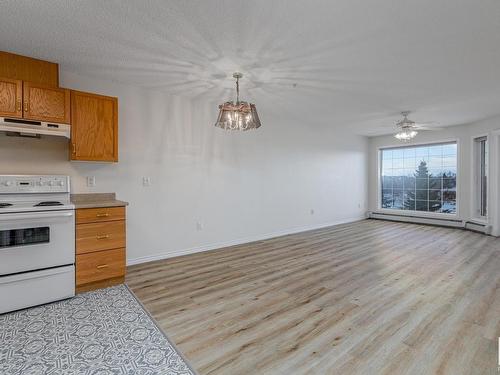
(444, 222)
(478, 227)
(455, 223)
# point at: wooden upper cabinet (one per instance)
(94, 127)
(28, 69)
(46, 103)
(11, 96)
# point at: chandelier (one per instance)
(238, 115)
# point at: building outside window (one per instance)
(420, 178)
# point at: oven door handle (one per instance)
(35, 216)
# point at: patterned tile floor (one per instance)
(101, 332)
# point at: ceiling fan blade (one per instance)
(425, 123)
(431, 128)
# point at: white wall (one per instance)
(464, 135)
(240, 186)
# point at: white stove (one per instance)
(37, 241)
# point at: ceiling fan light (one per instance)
(406, 135)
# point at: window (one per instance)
(481, 167)
(420, 178)
(24, 236)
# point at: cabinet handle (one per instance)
(102, 237)
(19, 107)
(26, 107)
(102, 215)
(102, 266)
(73, 146)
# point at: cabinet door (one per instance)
(28, 69)
(94, 127)
(11, 96)
(46, 103)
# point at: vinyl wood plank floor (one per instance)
(370, 297)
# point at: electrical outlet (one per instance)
(199, 226)
(146, 181)
(312, 211)
(90, 181)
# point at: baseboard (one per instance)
(240, 241)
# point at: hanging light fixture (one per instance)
(239, 115)
(406, 135)
(406, 128)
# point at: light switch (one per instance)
(146, 181)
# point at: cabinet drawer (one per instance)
(100, 265)
(100, 236)
(95, 215)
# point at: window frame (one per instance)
(440, 215)
(476, 198)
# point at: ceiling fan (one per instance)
(407, 129)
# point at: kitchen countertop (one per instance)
(94, 200)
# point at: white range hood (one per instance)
(33, 128)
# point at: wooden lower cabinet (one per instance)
(98, 215)
(100, 247)
(98, 236)
(100, 265)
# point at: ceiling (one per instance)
(345, 63)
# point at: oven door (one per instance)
(36, 240)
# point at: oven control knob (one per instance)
(8, 183)
(60, 183)
(51, 183)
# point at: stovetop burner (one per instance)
(48, 203)
(5, 205)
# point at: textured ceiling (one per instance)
(343, 63)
